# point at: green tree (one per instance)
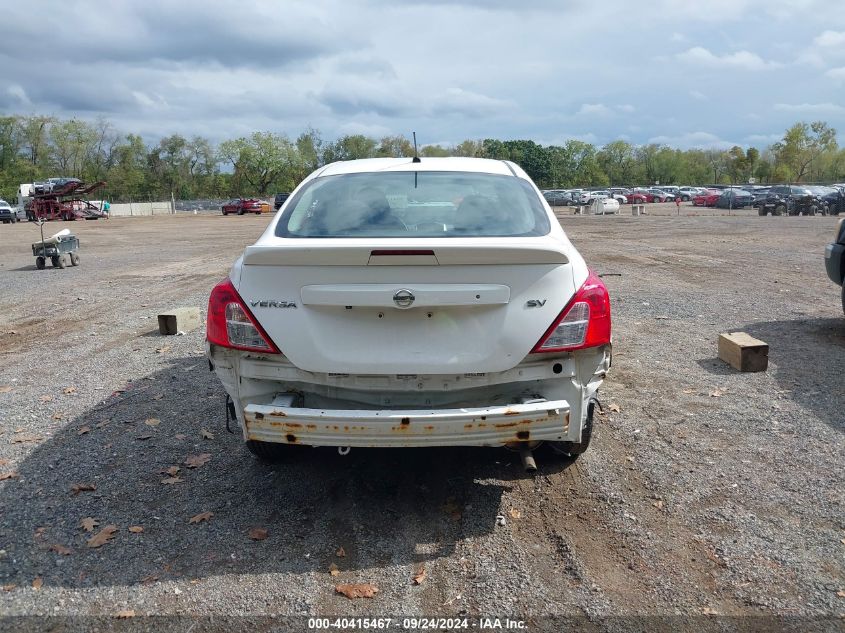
(262, 160)
(310, 147)
(435, 150)
(617, 161)
(803, 144)
(128, 174)
(468, 148)
(350, 147)
(395, 147)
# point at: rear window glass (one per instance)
(415, 204)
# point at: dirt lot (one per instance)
(706, 492)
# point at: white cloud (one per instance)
(598, 109)
(678, 37)
(744, 60)
(810, 108)
(700, 140)
(699, 96)
(830, 39)
(836, 73)
(827, 46)
(763, 139)
(460, 101)
(626, 107)
(19, 93)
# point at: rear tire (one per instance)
(40, 263)
(574, 449)
(58, 261)
(761, 211)
(271, 452)
(74, 259)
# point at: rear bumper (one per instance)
(834, 255)
(482, 426)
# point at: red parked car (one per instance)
(241, 206)
(639, 197)
(706, 199)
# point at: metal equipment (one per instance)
(56, 247)
(65, 203)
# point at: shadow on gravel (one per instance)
(715, 366)
(809, 363)
(383, 507)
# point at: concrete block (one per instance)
(743, 352)
(179, 320)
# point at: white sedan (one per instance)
(391, 302)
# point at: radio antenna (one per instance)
(416, 155)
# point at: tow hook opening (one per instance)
(344, 450)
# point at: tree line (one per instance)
(36, 147)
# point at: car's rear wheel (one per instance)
(574, 449)
(779, 209)
(268, 451)
(241, 211)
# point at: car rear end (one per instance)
(251, 206)
(412, 304)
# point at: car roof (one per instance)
(449, 163)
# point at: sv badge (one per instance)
(535, 303)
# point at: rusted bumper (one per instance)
(483, 426)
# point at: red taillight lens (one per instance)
(231, 324)
(584, 322)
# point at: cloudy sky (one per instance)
(689, 73)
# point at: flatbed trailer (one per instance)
(67, 203)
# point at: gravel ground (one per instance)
(709, 498)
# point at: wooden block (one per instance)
(743, 352)
(179, 320)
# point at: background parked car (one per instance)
(829, 197)
(280, 200)
(10, 214)
(560, 198)
(688, 193)
(734, 199)
(706, 199)
(637, 197)
(790, 200)
(241, 206)
(658, 195)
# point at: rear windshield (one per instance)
(415, 204)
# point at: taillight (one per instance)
(584, 322)
(231, 324)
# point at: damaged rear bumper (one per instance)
(481, 426)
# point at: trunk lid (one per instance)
(462, 305)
